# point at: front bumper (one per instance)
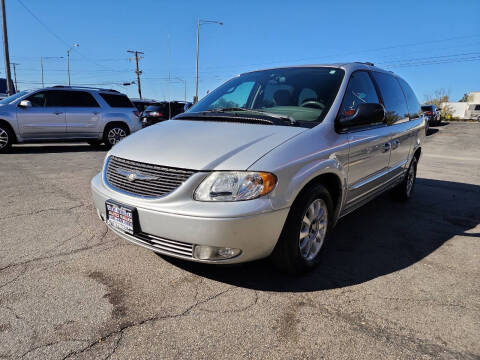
(164, 230)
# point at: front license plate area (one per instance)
(121, 217)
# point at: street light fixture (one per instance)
(68, 61)
(201, 22)
(41, 64)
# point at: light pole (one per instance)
(41, 64)
(68, 61)
(201, 22)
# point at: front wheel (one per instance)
(113, 134)
(6, 138)
(404, 190)
(305, 231)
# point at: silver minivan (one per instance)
(67, 113)
(265, 165)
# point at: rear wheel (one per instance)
(114, 134)
(305, 231)
(404, 190)
(6, 138)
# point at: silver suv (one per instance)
(67, 113)
(265, 165)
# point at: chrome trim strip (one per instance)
(377, 176)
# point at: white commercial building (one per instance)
(465, 110)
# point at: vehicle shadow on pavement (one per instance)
(50, 149)
(431, 131)
(380, 238)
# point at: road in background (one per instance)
(398, 281)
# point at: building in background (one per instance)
(465, 110)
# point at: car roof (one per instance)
(81, 88)
(349, 66)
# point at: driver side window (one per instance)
(38, 99)
(360, 90)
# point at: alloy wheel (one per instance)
(115, 135)
(313, 229)
(3, 138)
(410, 179)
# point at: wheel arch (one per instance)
(333, 184)
(112, 123)
(10, 127)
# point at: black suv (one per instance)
(432, 114)
(162, 111)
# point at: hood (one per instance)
(203, 145)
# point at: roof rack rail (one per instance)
(83, 87)
(365, 62)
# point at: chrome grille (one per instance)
(151, 181)
(166, 246)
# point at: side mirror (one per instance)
(25, 104)
(369, 113)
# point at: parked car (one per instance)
(142, 104)
(67, 113)
(265, 165)
(432, 115)
(473, 112)
(162, 111)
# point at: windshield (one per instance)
(13, 97)
(303, 94)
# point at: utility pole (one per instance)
(138, 71)
(5, 51)
(15, 74)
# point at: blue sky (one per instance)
(432, 44)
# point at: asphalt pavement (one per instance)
(398, 281)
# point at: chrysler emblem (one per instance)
(133, 175)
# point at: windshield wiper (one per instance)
(290, 120)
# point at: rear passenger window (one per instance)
(412, 101)
(80, 99)
(117, 101)
(360, 90)
(393, 97)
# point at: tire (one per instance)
(6, 138)
(114, 133)
(404, 190)
(300, 244)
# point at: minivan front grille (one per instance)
(141, 179)
(167, 246)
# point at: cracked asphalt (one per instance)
(398, 281)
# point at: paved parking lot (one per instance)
(398, 281)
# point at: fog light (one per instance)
(205, 252)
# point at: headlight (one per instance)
(235, 186)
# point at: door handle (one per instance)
(58, 113)
(386, 147)
(95, 113)
(395, 144)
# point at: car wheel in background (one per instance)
(6, 138)
(114, 133)
(404, 190)
(305, 231)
